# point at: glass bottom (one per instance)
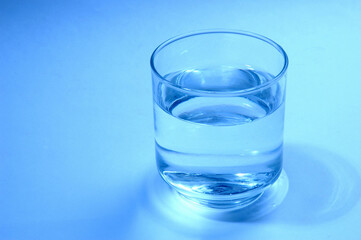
(220, 191)
(223, 204)
(278, 190)
(162, 200)
(217, 180)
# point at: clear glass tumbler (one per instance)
(218, 115)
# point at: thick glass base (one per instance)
(218, 181)
(232, 204)
(171, 206)
(221, 191)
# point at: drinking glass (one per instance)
(219, 115)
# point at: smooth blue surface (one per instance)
(76, 124)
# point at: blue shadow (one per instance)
(322, 186)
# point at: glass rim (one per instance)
(222, 31)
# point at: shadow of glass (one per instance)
(323, 186)
(319, 186)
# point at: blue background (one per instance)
(76, 124)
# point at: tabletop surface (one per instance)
(76, 124)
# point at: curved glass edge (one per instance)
(279, 76)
